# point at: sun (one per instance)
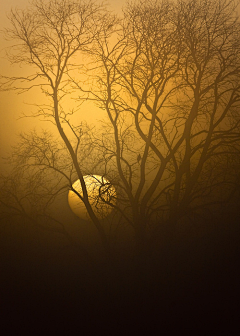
(100, 193)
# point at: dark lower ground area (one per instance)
(48, 287)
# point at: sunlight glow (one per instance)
(100, 193)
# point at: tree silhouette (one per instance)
(167, 76)
(170, 88)
(49, 35)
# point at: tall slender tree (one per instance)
(167, 76)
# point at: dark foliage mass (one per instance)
(167, 76)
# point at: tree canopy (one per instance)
(167, 76)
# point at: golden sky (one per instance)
(12, 105)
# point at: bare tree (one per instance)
(170, 88)
(52, 37)
(167, 76)
(38, 173)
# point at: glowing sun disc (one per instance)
(100, 190)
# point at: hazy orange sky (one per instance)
(12, 105)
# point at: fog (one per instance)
(153, 108)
